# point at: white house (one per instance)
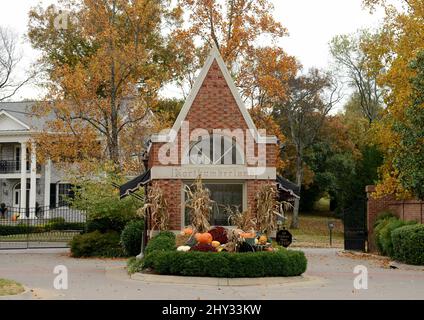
(24, 185)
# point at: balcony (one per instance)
(11, 166)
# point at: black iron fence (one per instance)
(40, 227)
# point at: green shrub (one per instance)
(378, 229)
(282, 263)
(408, 244)
(19, 229)
(134, 265)
(131, 237)
(164, 241)
(383, 215)
(385, 234)
(96, 244)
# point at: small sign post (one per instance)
(284, 237)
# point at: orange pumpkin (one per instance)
(247, 235)
(188, 231)
(204, 238)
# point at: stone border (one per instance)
(220, 282)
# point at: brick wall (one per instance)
(172, 193)
(403, 209)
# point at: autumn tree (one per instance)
(104, 68)
(301, 115)
(351, 63)
(408, 158)
(10, 58)
(393, 47)
(235, 28)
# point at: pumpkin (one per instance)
(14, 217)
(183, 248)
(215, 244)
(247, 235)
(188, 231)
(204, 238)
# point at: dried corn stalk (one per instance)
(245, 221)
(268, 208)
(158, 207)
(200, 205)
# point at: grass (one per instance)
(10, 287)
(313, 231)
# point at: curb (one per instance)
(221, 282)
(403, 266)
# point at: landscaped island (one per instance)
(212, 260)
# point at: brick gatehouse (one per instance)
(214, 137)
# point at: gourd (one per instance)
(263, 240)
(204, 238)
(215, 244)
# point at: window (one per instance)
(224, 194)
(216, 150)
(66, 193)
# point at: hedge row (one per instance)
(408, 244)
(283, 263)
(161, 256)
(399, 239)
(383, 234)
(23, 229)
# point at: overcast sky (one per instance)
(311, 24)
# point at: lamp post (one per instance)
(331, 227)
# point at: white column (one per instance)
(23, 180)
(47, 181)
(33, 182)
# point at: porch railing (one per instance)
(10, 166)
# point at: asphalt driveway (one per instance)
(329, 270)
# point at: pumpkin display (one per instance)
(216, 244)
(204, 238)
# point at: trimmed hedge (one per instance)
(384, 234)
(164, 241)
(408, 244)
(283, 263)
(50, 226)
(96, 244)
(131, 237)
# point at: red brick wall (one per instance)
(172, 193)
(404, 209)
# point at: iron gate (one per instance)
(40, 227)
(355, 226)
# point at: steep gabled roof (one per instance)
(213, 56)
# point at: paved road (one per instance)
(107, 279)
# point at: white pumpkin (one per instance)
(184, 248)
